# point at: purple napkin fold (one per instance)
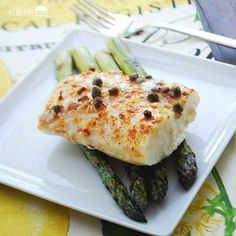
(219, 16)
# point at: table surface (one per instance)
(25, 38)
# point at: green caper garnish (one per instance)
(148, 77)
(97, 81)
(113, 91)
(56, 108)
(176, 91)
(91, 69)
(177, 108)
(133, 77)
(96, 92)
(147, 114)
(153, 97)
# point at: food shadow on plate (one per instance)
(68, 164)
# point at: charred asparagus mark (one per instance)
(186, 165)
(156, 180)
(137, 185)
(113, 184)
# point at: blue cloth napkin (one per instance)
(219, 16)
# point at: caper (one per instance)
(96, 92)
(97, 81)
(153, 97)
(133, 77)
(56, 108)
(177, 108)
(148, 77)
(176, 91)
(113, 91)
(91, 69)
(147, 114)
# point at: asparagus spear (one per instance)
(104, 169)
(113, 184)
(186, 165)
(137, 185)
(127, 62)
(63, 63)
(137, 182)
(157, 181)
(83, 59)
(106, 61)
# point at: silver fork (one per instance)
(112, 24)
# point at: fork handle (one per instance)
(210, 37)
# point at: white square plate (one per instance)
(52, 168)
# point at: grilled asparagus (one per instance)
(83, 59)
(103, 167)
(106, 61)
(156, 176)
(127, 62)
(186, 165)
(156, 181)
(137, 183)
(63, 63)
(113, 184)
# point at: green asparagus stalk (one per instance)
(137, 182)
(157, 181)
(106, 61)
(113, 184)
(104, 169)
(185, 158)
(137, 185)
(83, 59)
(127, 62)
(186, 165)
(63, 63)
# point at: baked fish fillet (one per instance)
(132, 119)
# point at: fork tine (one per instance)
(84, 15)
(83, 18)
(99, 8)
(92, 11)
